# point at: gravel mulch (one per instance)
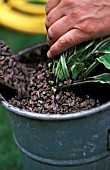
(36, 88)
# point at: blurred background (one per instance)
(22, 24)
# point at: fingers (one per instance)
(56, 30)
(59, 28)
(70, 22)
(52, 17)
(50, 5)
(71, 38)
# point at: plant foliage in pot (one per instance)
(59, 109)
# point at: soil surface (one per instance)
(42, 99)
(36, 88)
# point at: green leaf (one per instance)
(103, 78)
(58, 70)
(80, 60)
(105, 46)
(80, 52)
(64, 67)
(90, 69)
(77, 69)
(105, 60)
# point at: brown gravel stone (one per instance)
(35, 86)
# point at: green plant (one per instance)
(78, 62)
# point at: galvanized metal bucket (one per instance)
(76, 141)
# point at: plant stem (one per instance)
(92, 67)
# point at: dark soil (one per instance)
(34, 82)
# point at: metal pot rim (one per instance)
(47, 116)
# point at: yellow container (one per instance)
(23, 15)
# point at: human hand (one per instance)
(70, 22)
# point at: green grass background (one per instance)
(10, 158)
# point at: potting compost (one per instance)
(35, 85)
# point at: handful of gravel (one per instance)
(35, 88)
(12, 72)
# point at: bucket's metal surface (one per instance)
(78, 141)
